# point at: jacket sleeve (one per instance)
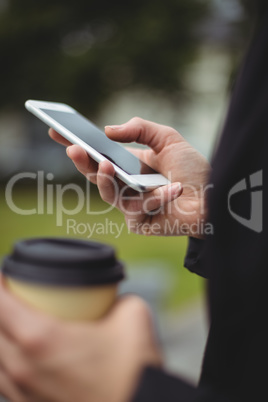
(194, 261)
(158, 386)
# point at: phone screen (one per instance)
(93, 136)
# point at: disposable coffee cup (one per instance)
(71, 279)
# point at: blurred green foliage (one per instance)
(137, 250)
(81, 52)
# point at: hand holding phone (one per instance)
(79, 130)
(173, 209)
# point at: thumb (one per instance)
(154, 135)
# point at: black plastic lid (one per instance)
(60, 261)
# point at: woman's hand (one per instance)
(46, 360)
(169, 210)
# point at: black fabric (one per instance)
(235, 257)
(151, 387)
(159, 386)
(194, 257)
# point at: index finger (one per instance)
(155, 136)
(58, 138)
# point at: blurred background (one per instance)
(173, 62)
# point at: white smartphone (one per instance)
(79, 130)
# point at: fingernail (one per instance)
(176, 189)
(118, 127)
(67, 151)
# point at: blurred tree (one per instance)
(81, 52)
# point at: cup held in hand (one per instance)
(70, 279)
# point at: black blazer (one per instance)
(235, 257)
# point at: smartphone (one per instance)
(79, 130)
